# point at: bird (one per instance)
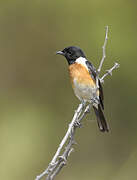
(83, 76)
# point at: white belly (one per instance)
(84, 92)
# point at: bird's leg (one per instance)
(77, 124)
(95, 100)
(83, 102)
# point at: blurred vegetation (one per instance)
(36, 99)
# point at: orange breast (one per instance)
(81, 74)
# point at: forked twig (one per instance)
(59, 161)
(109, 72)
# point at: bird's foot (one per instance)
(83, 103)
(95, 100)
(77, 124)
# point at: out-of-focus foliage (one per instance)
(37, 102)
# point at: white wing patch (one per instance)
(82, 61)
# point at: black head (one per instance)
(71, 54)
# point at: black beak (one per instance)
(60, 52)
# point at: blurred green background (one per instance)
(37, 101)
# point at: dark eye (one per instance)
(70, 53)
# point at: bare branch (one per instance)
(58, 169)
(109, 72)
(104, 50)
(55, 166)
(103, 58)
(68, 148)
(59, 160)
(54, 163)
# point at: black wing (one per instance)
(93, 74)
(92, 70)
(101, 95)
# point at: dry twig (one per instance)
(58, 160)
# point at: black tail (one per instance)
(102, 123)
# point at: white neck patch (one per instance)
(82, 61)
